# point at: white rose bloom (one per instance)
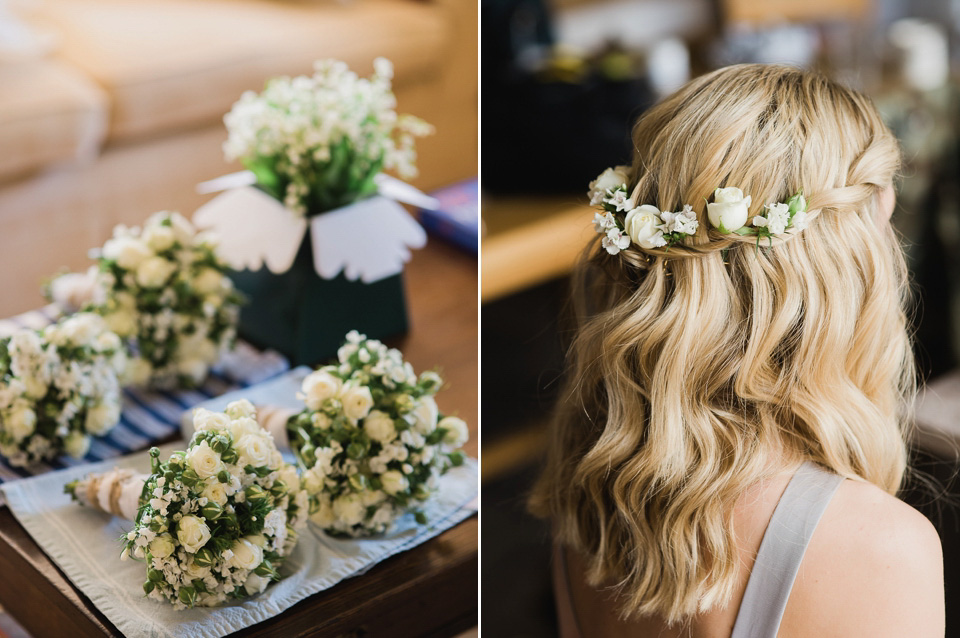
(108, 340)
(192, 533)
(21, 422)
(240, 408)
(162, 546)
(349, 509)
(379, 427)
(102, 417)
(318, 387)
(35, 387)
(372, 497)
(246, 554)
(122, 321)
(324, 515)
(729, 210)
(253, 450)
(394, 482)
(321, 420)
(208, 281)
(204, 419)
(243, 426)
(138, 372)
(196, 369)
(356, 402)
(82, 329)
(457, 431)
(288, 474)
(196, 571)
(128, 252)
(255, 584)
(214, 492)
(76, 444)
(73, 290)
(158, 238)
(643, 225)
(154, 272)
(204, 460)
(426, 414)
(313, 479)
(610, 178)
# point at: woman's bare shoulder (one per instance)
(874, 567)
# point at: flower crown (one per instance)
(649, 227)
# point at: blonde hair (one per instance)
(695, 369)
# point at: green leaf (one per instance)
(745, 231)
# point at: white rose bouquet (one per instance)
(212, 523)
(371, 440)
(317, 143)
(164, 290)
(57, 387)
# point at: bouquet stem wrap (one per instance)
(116, 492)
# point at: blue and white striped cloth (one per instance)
(148, 417)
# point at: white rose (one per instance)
(76, 444)
(196, 571)
(349, 509)
(162, 546)
(204, 419)
(195, 369)
(729, 210)
(253, 450)
(643, 226)
(208, 281)
(192, 533)
(108, 340)
(243, 426)
(255, 584)
(357, 402)
(138, 372)
(379, 427)
(159, 238)
(372, 497)
(394, 482)
(457, 432)
(288, 474)
(319, 386)
(426, 414)
(122, 321)
(215, 493)
(101, 417)
(246, 554)
(154, 272)
(240, 408)
(21, 423)
(324, 514)
(610, 178)
(204, 460)
(82, 329)
(182, 228)
(128, 252)
(73, 290)
(321, 420)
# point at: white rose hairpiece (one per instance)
(649, 228)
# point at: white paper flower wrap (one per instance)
(373, 449)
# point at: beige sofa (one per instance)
(125, 117)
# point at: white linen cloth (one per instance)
(84, 544)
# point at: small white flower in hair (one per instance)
(776, 220)
(619, 200)
(608, 180)
(602, 222)
(615, 240)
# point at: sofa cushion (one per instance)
(48, 113)
(169, 64)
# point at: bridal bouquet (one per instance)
(317, 143)
(57, 387)
(163, 288)
(371, 439)
(213, 523)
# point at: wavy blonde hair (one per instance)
(693, 371)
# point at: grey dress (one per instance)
(778, 560)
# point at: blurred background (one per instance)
(111, 110)
(562, 82)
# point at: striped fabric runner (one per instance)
(147, 416)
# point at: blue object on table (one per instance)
(458, 217)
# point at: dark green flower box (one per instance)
(305, 317)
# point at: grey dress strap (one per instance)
(778, 560)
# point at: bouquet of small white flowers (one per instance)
(213, 523)
(164, 290)
(371, 440)
(57, 387)
(317, 143)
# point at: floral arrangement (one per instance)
(164, 290)
(212, 523)
(317, 143)
(371, 440)
(57, 387)
(649, 228)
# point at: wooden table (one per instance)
(430, 590)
